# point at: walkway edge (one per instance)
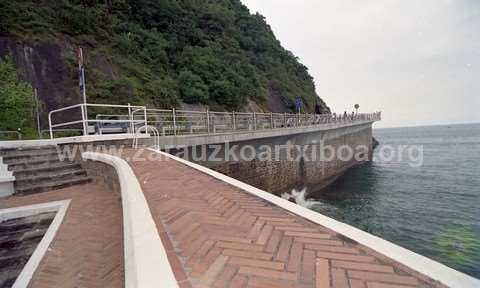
(435, 270)
(60, 207)
(146, 262)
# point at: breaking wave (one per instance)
(300, 197)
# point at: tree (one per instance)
(192, 88)
(163, 92)
(123, 90)
(224, 92)
(16, 101)
(235, 53)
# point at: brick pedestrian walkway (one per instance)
(219, 236)
(88, 248)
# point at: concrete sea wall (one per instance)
(275, 160)
(311, 160)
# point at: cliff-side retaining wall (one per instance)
(301, 160)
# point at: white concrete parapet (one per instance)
(146, 262)
(69, 140)
(6, 180)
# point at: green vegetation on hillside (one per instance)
(16, 102)
(170, 51)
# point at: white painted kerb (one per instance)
(424, 265)
(11, 213)
(146, 262)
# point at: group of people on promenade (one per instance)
(333, 117)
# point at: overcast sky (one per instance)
(417, 61)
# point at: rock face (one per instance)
(43, 65)
(159, 53)
(18, 240)
(50, 67)
(375, 143)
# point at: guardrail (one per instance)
(108, 119)
(101, 121)
(181, 122)
(16, 133)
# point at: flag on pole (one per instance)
(82, 80)
(80, 57)
(81, 74)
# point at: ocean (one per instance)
(421, 191)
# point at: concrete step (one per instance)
(52, 168)
(28, 149)
(40, 162)
(18, 158)
(40, 169)
(44, 178)
(51, 185)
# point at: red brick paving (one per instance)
(225, 237)
(88, 248)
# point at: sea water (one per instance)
(431, 207)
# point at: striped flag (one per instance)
(81, 70)
(82, 80)
(80, 57)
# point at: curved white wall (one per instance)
(146, 262)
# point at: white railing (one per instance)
(108, 119)
(156, 136)
(16, 133)
(181, 122)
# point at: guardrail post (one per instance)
(86, 119)
(213, 124)
(174, 122)
(50, 124)
(254, 121)
(208, 121)
(285, 120)
(84, 116)
(271, 120)
(145, 117)
(233, 121)
(130, 118)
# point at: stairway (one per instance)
(40, 169)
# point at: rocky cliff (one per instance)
(160, 53)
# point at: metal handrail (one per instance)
(156, 135)
(178, 122)
(85, 119)
(19, 135)
(181, 122)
